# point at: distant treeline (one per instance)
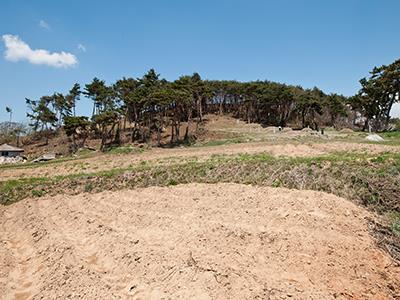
(146, 106)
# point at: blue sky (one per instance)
(329, 44)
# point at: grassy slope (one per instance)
(372, 181)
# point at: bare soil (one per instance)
(195, 241)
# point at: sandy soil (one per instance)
(194, 241)
(103, 162)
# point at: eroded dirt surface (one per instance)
(104, 162)
(195, 241)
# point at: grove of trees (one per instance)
(146, 107)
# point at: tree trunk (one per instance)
(189, 121)
(159, 128)
(126, 117)
(387, 115)
(117, 138)
(303, 118)
(221, 104)
(199, 109)
(172, 132)
(158, 136)
(73, 143)
(135, 127)
(177, 131)
(366, 123)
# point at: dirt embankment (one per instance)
(104, 162)
(193, 241)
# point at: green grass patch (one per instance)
(391, 134)
(125, 150)
(223, 142)
(394, 219)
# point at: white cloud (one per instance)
(44, 24)
(17, 50)
(82, 47)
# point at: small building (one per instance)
(10, 151)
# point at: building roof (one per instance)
(9, 148)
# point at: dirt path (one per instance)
(108, 161)
(194, 241)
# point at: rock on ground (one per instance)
(374, 138)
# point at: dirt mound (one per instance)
(192, 241)
(271, 129)
(347, 130)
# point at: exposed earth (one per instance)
(196, 241)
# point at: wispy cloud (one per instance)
(17, 50)
(44, 24)
(82, 47)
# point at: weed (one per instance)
(276, 183)
(172, 182)
(88, 187)
(222, 142)
(121, 150)
(395, 222)
(38, 193)
(391, 134)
